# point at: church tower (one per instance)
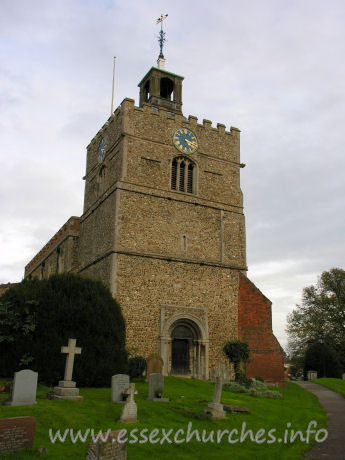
(163, 226)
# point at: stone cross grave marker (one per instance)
(67, 388)
(215, 409)
(218, 385)
(16, 433)
(109, 449)
(156, 388)
(129, 409)
(119, 384)
(24, 388)
(71, 350)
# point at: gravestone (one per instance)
(343, 376)
(110, 449)
(311, 375)
(119, 384)
(16, 433)
(215, 409)
(129, 409)
(156, 388)
(154, 365)
(67, 388)
(24, 388)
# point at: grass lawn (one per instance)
(298, 407)
(337, 385)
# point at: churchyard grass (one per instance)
(337, 385)
(188, 399)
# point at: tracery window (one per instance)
(183, 175)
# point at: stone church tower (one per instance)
(163, 227)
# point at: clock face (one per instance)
(185, 141)
(102, 148)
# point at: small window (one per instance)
(182, 175)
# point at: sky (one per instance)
(274, 69)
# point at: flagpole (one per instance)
(112, 93)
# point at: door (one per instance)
(180, 357)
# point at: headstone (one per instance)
(215, 409)
(16, 433)
(24, 388)
(110, 449)
(311, 375)
(154, 365)
(129, 409)
(67, 388)
(156, 388)
(119, 384)
(227, 374)
(343, 376)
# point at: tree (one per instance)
(37, 317)
(321, 316)
(323, 359)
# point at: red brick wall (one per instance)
(255, 328)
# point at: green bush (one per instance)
(237, 353)
(136, 366)
(243, 380)
(56, 309)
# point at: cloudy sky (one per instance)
(275, 69)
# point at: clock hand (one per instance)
(190, 143)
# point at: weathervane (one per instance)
(161, 36)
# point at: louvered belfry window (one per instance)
(182, 175)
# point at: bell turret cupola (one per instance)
(160, 87)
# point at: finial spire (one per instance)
(161, 41)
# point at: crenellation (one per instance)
(221, 128)
(207, 123)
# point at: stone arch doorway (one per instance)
(184, 348)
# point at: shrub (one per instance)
(243, 380)
(62, 307)
(237, 353)
(136, 366)
(259, 385)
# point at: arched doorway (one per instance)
(186, 349)
(184, 342)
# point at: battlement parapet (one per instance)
(101, 131)
(147, 108)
